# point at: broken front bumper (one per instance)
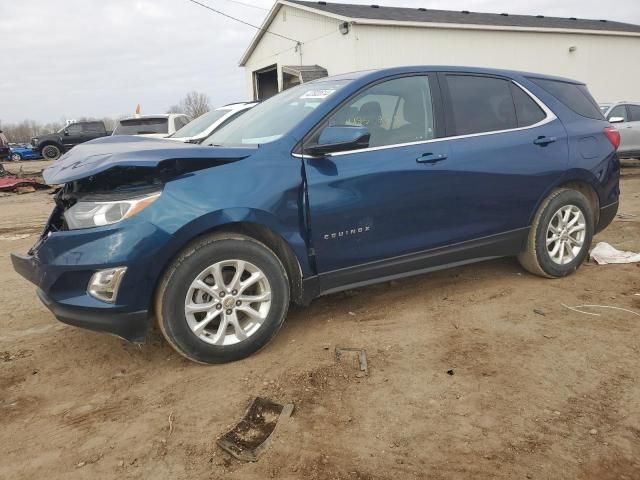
(130, 325)
(61, 265)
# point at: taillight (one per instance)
(613, 135)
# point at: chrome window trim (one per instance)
(550, 117)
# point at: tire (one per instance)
(540, 259)
(15, 157)
(211, 343)
(51, 152)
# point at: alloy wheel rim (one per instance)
(227, 302)
(566, 234)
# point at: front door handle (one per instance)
(431, 158)
(544, 141)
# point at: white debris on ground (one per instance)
(603, 253)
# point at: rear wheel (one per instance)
(222, 299)
(51, 152)
(560, 236)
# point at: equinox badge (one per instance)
(347, 233)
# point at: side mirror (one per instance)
(339, 139)
(616, 119)
(65, 132)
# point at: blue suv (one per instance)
(335, 184)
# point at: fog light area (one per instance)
(104, 284)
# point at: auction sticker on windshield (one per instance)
(323, 93)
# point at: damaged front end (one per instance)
(92, 268)
(108, 197)
(119, 192)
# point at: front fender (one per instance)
(51, 141)
(217, 220)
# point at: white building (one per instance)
(306, 40)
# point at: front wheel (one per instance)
(51, 152)
(560, 236)
(222, 299)
(16, 157)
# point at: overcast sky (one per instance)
(74, 58)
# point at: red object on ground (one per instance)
(10, 183)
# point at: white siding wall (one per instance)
(608, 64)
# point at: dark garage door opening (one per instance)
(266, 83)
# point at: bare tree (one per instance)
(175, 109)
(193, 104)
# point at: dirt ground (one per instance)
(536, 391)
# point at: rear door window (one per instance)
(94, 127)
(634, 113)
(574, 96)
(481, 104)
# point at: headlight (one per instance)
(87, 214)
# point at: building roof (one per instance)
(424, 17)
(413, 15)
(306, 73)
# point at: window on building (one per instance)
(481, 104)
(574, 96)
(396, 111)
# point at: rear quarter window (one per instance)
(574, 96)
(528, 111)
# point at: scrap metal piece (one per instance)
(248, 439)
(362, 357)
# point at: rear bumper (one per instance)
(607, 214)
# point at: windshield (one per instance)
(142, 126)
(273, 118)
(604, 108)
(200, 124)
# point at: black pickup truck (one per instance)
(52, 145)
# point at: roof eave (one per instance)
(260, 33)
(269, 18)
(470, 26)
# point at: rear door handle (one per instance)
(544, 141)
(431, 158)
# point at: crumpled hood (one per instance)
(104, 153)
